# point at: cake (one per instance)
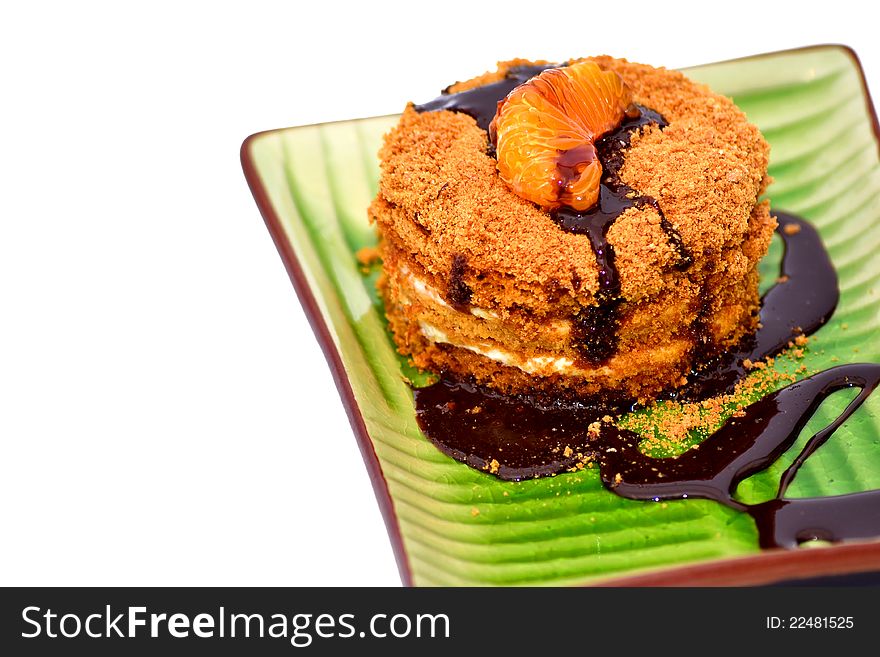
(617, 291)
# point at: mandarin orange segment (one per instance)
(546, 128)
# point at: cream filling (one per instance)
(422, 289)
(540, 365)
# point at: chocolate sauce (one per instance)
(520, 437)
(481, 103)
(596, 326)
(458, 292)
(802, 300)
(746, 445)
(524, 435)
(615, 196)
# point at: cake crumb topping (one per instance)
(668, 428)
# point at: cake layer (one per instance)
(659, 339)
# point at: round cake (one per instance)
(621, 294)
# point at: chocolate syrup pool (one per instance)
(522, 436)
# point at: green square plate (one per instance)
(451, 525)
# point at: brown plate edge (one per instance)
(765, 567)
(334, 360)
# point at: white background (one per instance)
(162, 398)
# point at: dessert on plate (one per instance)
(547, 232)
(591, 228)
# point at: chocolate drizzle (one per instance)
(595, 326)
(519, 437)
(458, 292)
(801, 301)
(749, 444)
(615, 197)
(481, 103)
(522, 437)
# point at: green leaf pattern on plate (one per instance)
(462, 527)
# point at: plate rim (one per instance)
(764, 567)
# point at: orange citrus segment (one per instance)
(545, 132)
